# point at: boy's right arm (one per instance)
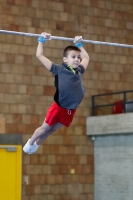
(39, 54)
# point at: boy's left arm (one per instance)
(84, 55)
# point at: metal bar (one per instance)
(67, 39)
(9, 148)
(93, 107)
(5, 147)
(105, 105)
(124, 95)
(98, 95)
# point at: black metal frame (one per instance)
(113, 93)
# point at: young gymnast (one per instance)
(69, 89)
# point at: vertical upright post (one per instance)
(93, 105)
(124, 101)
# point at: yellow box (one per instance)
(10, 172)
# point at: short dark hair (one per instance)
(70, 48)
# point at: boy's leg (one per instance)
(53, 129)
(38, 136)
(42, 130)
(31, 146)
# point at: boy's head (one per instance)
(71, 56)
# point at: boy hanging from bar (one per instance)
(69, 89)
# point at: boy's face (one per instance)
(73, 58)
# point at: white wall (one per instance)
(113, 159)
(113, 156)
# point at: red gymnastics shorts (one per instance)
(57, 114)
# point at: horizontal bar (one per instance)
(67, 39)
(106, 105)
(9, 148)
(98, 95)
(6, 147)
